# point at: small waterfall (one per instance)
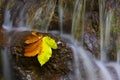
(118, 57)
(76, 28)
(78, 20)
(105, 28)
(23, 20)
(101, 11)
(83, 21)
(80, 54)
(87, 63)
(86, 66)
(82, 59)
(60, 10)
(118, 39)
(39, 20)
(7, 22)
(104, 73)
(116, 67)
(76, 64)
(6, 64)
(108, 29)
(49, 14)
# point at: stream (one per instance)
(79, 36)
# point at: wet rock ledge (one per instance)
(59, 67)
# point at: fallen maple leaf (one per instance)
(33, 38)
(37, 44)
(33, 49)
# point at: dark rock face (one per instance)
(2, 31)
(92, 43)
(58, 67)
(3, 38)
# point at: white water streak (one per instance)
(6, 64)
(80, 53)
(108, 28)
(60, 10)
(22, 17)
(116, 67)
(118, 56)
(89, 67)
(76, 64)
(83, 21)
(105, 23)
(105, 75)
(101, 11)
(49, 14)
(76, 17)
(7, 22)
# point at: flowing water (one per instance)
(104, 73)
(7, 22)
(60, 10)
(76, 20)
(101, 15)
(6, 66)
(105, 28)
(86, 66)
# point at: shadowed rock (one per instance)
(58, 67)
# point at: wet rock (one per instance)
(1, 18)
(36, 14)
(59, 67)
(1, 71)
(92, 44)
(3, 38)
(2, 30)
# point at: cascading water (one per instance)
(50, 8)
(105, 17)
(7, 21)
(118, 40)
(86, 66)
(101, 15)
(105, 28)
(60, 10)
(116, 67)
(76, 20)
(118, 57)
(104, 73)
(6, 66)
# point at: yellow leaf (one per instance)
(51, 42)
(46, 53)
(37, 44)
